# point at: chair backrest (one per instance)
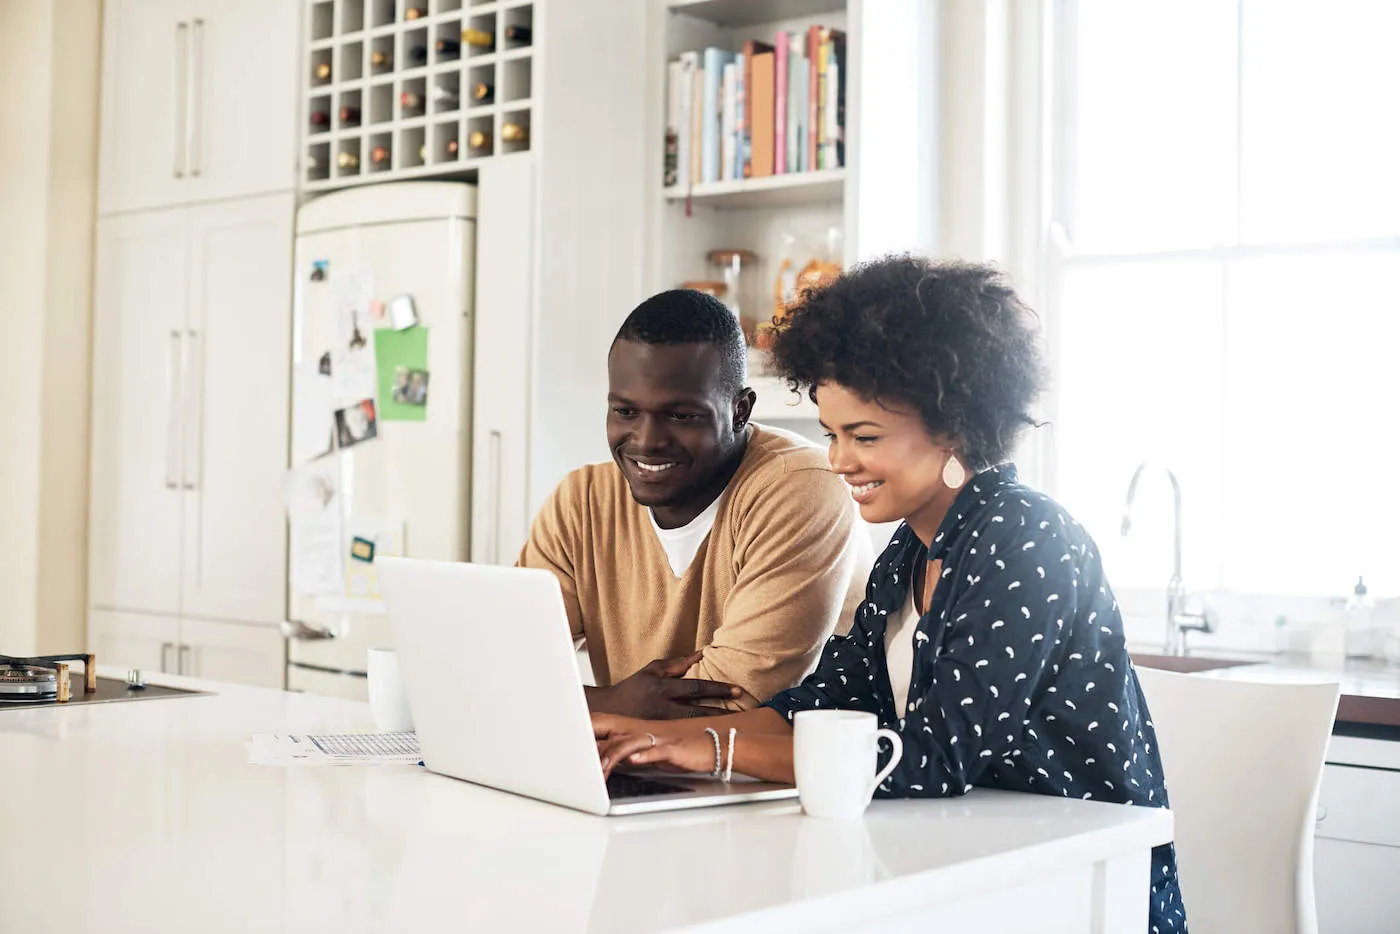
(1243, 763)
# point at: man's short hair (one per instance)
(685, 316)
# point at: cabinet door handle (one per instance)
(493, 498)
(182, 70)
(186, 654)
(197, 98)
(165, 648)
(173, 370)
(193, 405)
(297, 630)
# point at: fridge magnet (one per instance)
(403, 313)
(386, 538)
(410, 386)
(319, 267)
(401, 365)
(376, 310)
(361, 549)
(356, 423)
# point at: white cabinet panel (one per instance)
(504, 310)
(231, 652)
(139, 346)
(145, 62)
(1359, 804)
(244, 94)
(236, 404)
(1355, 886)
(134, 640)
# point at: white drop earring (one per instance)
(954, 475)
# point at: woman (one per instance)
(989, 638)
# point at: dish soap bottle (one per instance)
(1361, 631)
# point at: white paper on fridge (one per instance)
(314, 512)
(313, 425)
(352, 357)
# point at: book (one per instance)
(739, 107)
(796, 107)
(824, 110)
(697, 118)
(728, 109)
(687, 64)
(837, 133)
(752, 48)
(761, 122)
(780, 103)
(814, 41)
(715, 60)
(670, 164)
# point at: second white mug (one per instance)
(388, 701)
(834, 757)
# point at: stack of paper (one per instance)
(334, 749)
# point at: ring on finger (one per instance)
(652, 737)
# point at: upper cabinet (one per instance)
(198, 101)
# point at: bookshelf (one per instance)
(394, 79)
(793, 216)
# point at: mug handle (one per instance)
(896, 753)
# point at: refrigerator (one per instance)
(380, 454)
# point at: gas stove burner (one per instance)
(25, 683)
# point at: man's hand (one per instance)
(658, 692)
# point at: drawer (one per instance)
(1359, 804)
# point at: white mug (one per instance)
(834, 754)
(387, 700)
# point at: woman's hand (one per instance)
(623, 741)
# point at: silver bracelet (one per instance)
(729, 766)
(719, 760)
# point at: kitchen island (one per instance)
(147, 817)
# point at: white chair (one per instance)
(1243, 763)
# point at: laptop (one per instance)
(489, 668)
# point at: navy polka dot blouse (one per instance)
(1021, 679)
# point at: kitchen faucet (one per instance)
(1179, 619)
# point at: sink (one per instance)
(1186, 664)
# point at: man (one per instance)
(711, 559)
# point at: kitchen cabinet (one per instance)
(198, 101)
(1356, 859)
(190, 419)
(187, 646)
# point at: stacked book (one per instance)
(767, 110)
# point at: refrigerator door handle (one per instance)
(165, 647)
(173, 373)
(493, 501)
(299, 631)
(185, 653)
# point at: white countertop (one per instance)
(146, 816)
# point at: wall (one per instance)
(49, 60)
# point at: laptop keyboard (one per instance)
(621, 785)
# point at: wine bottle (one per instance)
(479, 39)
(348, 160)
(515, 133)
(423, 153)
(483, 93)
(320, 119)
(520, 34)
(379, 155)
(419, 53)
(415, 12)
(411, 101)
(448, 47)
(349, 116)
(381, 59)
(445, 98)
(479, 141)
(452, 147)
(323, 71)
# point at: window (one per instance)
(1223, 286)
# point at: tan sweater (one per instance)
(787, 557)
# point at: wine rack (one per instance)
(400, 89)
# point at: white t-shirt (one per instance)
(899, 653)
(681, 544)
